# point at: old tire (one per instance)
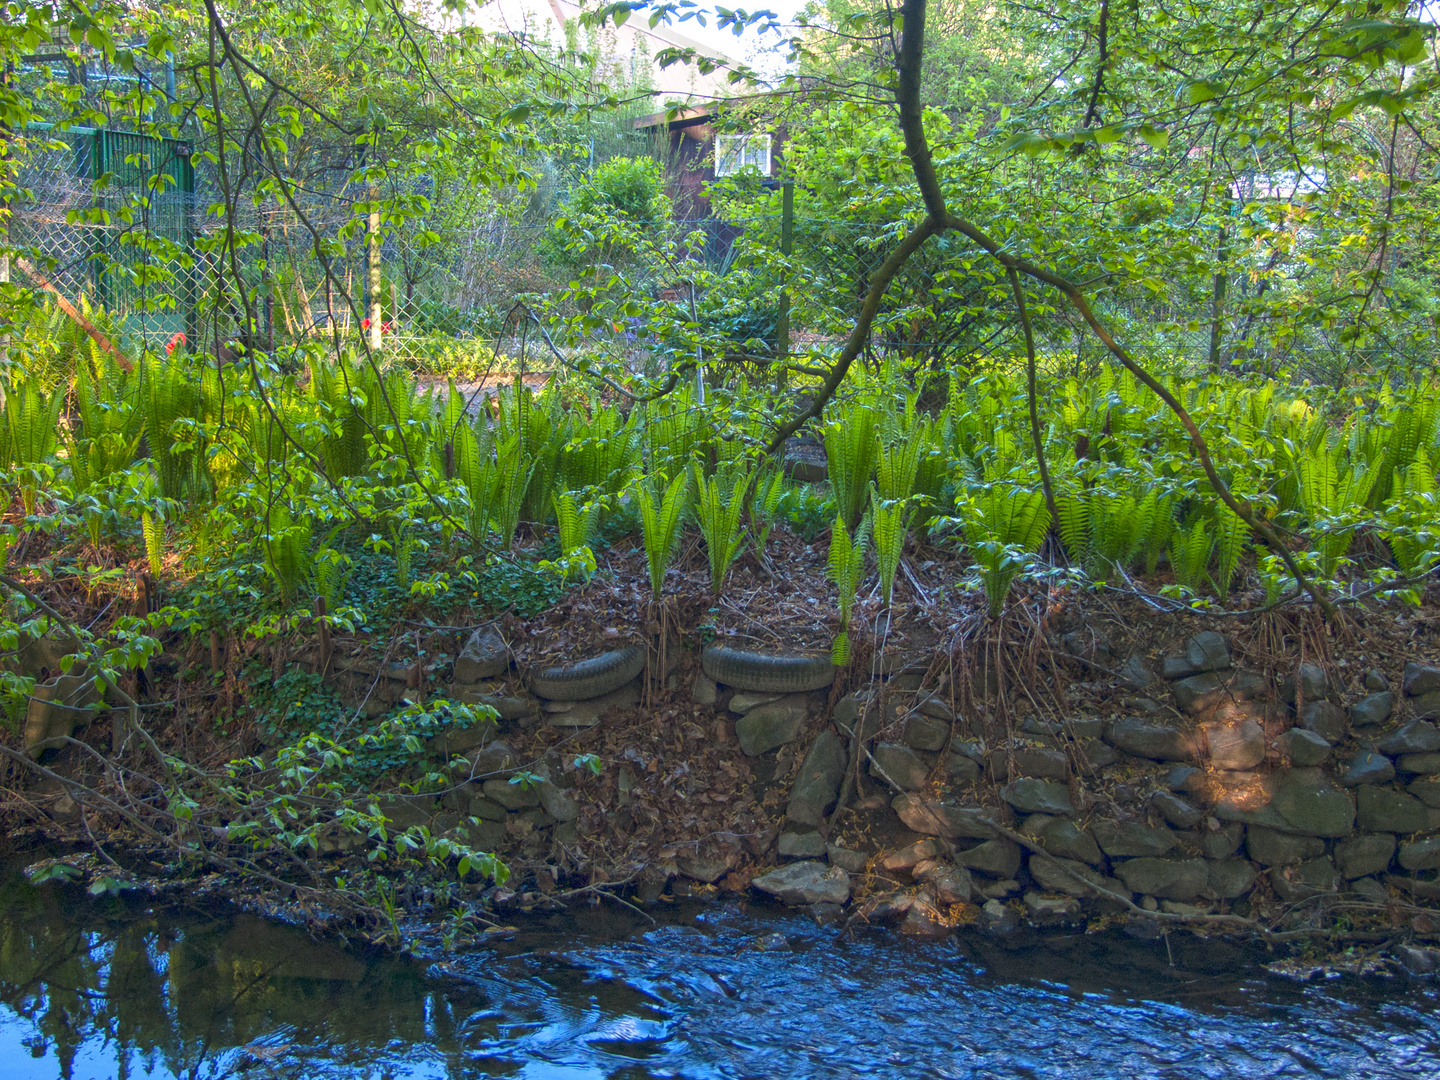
(589, 678)
(769, 672)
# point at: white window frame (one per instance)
(734, 154)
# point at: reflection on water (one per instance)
(97, 990)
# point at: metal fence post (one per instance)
(787, 235)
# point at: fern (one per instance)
(1004, 524)
(660, 525)
(846, 565)
(1231, 533)
(153, 530)
(850, 457)
(1190, 555)
(287, 552)
(889, 516)
(1332, 497)
(1412, 516)
(769, 492)
(512, 480)
(575, 521)
(720, 523)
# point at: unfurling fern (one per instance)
(889, 519)
(850, 459)
(660, 525)
(847, 567)
(720, 523)
(1004, 523)
(153, 530)
(1190, 555)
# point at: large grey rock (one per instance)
(941, 819)
(1416, 737)
(801, 845)
(484, 656)
(1170, 879)
(901, 764)
(1094, 755)
(1202, 695)
(769, 726)
(951, 883)
(1426, 706)
(818, 784)
(1421, 854)
(1273, 848)
(1419, 764)
(1227, 879)
(512, 796)
(1185, 778)
(925, 733)
(936, 707)
(1313, 683)
(998, 858)
(1372, 709)
(1207, 651)
(557, 802)
(803, 883)
(1325, 719)
(848, 712)
(1043, 763)
(1051, 910)
(961, 769)
(1368, 767)
(704, 868)
(912, 855)
(1177, 667)
(1159, 742)
(1060, 876)
(1387, 810)
(1427, 791)
(704, 691)
(1364, 854)
(744, 701)
(1223, 842)
(1136, 673)
(1238, 744)
(1176, 811)
(1304, 748)
(847, 859)
(1120, 839)
(1292, 883)
(496, 757)
(1375, 680)
(1310, 804)
(1063, 839)
(1031, 796)
(1421, 679)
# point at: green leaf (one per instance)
(1158, 138)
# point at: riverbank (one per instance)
(1089, 760)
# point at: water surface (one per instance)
(101, 989)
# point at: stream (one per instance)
(105, 988)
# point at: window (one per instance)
(736, 153)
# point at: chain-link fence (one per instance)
(121, 221)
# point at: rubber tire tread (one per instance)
(768, 672)
(589, 678)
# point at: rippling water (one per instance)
(98, 990)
